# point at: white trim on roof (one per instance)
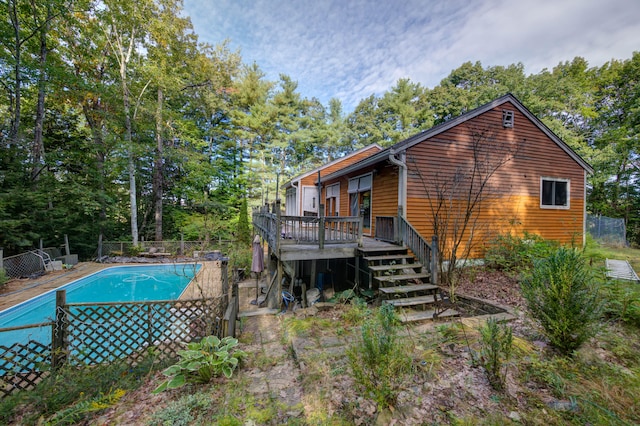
(420, 137)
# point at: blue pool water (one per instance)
(116, 284)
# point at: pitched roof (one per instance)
(337, 160)
(440, 128)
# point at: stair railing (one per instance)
(426, 253)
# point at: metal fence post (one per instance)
(59, 332)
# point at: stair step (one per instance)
(385, 249)
(415, 316)
(258, 312)
(388, 257)
(411, 301)
(398, 266)
(401, 277)
(407, 288)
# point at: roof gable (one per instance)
(440, 128)
(345, 158)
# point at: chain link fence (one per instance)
(185, 248)
(607, 230)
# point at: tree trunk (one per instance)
(37, 151)
(15, 119)
(133, 199)
(158, 183)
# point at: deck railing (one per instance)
(426, 253)
(278, 229)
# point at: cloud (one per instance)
(352, 49)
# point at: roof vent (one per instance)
(507, 118)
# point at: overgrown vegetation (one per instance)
(203, 360)
(436, 375)
(560, 294)
(75, 393)
(515, 254)
(379, 360)
(495, 351)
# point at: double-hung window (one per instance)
(554, 193)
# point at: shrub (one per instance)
(513, 254)
(560, 295)
(622, 301)
(495, 351)
(378, 361)
(202, 361)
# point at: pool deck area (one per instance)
(20, 290)
(206, 284)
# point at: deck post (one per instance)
(276, 207)
(279, 285)
(360, 231)
(434, 260)
(397, 238)
(321, 226)
(59, 332)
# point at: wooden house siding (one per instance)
(311, 179)
(513, 192)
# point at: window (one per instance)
(554, 193)
(507, 118)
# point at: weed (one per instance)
(183, 411)
(511, 253)
(72, 385)
(495, 351)
(560, 295)
(379, 361)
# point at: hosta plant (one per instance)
(201, 361)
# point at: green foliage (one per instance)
(240, 256)
(78, 411)
(185, 411)
(560, 294)
(357, 313)
(622, 301)
(3, 277)
(511, 253)
(243, 234)
(202, 361)
(379, 360)
(496, 344)
(80, 392)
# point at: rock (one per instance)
(563, 405)
(515, 416)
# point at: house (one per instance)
(520, 175)
(391, 213)
(302, 191)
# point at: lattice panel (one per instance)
(106, 332)
(22, 365)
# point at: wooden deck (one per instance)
(332, 251)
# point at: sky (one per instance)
(351, 49)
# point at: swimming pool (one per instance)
(116, 284)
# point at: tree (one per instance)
(455, 197)
(126, 26)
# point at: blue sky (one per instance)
(350, 49)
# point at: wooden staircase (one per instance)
(403, 283)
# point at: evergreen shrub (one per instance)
(560, 295)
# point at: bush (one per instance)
(622, 301)
(495, 351)
(560, 295)
(378, 361)
(202, 361)
(511, 253)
